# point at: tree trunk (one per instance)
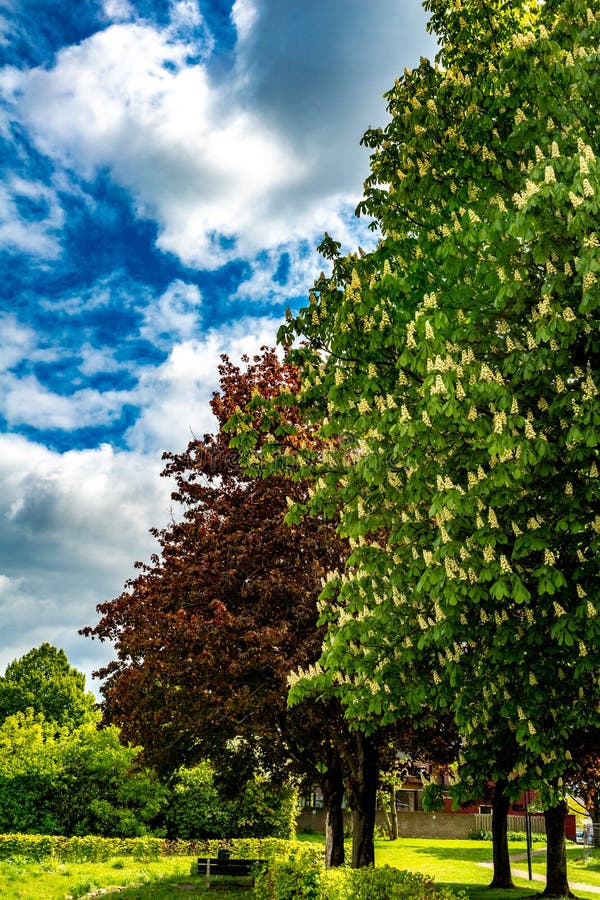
(332, 786)
(393, 814)
(557, 884)
(363, 795)
(500, 806)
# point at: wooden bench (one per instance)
(237, 867)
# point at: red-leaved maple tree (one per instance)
(209, 630)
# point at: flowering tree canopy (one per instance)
(455, 371)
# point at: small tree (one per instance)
(43, 680)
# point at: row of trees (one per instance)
(452, 376)
(434, 440)
(209, 632)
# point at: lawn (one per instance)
(581, 869)
(455, 863)
(162, 879)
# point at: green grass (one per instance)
(162, 879)
(455, 863)
(580, 869)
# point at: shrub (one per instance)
(521, 836)
(37, 847)
(479, 834)
(301, 876)
(288, 879)
(294, 873)
(385, 883)
(264, 811)
(199, 810)
(195, 809)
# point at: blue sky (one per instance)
(167, 168)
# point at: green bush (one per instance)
(385, 883)
(480, 834)
(289, 879)
(521, 836)
(198, 810)
(36, 847)
(294, 872)
(264, 811)
(78, 782)
(195, 809)
(299, 875)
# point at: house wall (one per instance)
(410, 824)
(434, 825)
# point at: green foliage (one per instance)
(195, 808)
(514, 837)
(77, 849)
(43, 680)
(433, 797)
(198, 809)
(292, 875)
(265, 810)
(298, 878)
(290, 879)
(386, 883)
(453, 374)
(56, 781)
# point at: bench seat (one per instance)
(239, 868)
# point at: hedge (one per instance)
(97, 849)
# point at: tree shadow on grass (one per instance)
(178, 889)
(483, 892)
(470, 854)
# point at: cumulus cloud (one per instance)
(174, 398)
(265, 155)
(16, 341)
(26, 400)
(31, 218)
(118, 10)
(175, 316)
(73, 525)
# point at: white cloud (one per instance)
(25, 401)
(266, 155)
(185, 14)
(113, 288)
(73, 525)
(118, 10)
(244, 16)
(16, 341)
(175, 316)
(124, 99)
(174, 398)
(34, 232)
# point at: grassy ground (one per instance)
(582, 868)
(163, 879)
(458, 864)
(453, 863)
